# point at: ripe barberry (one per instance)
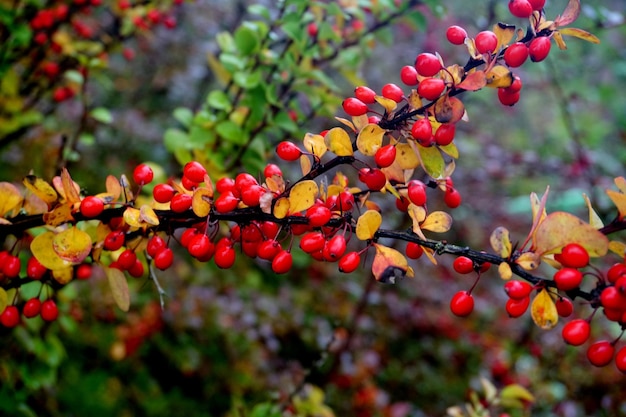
(385, 156)
(164, 258)
(224, 256)
(83, 271)
(334, 248)
(431, 88)
(181, 203)
(444, 135)
(268, 249)
(539, 48)
(517, 307)
(486, 42)
(288, 151)
(318, 215)
(34, 268)
(573, 255)
(576, 332)
(155, 244)
(127, 259)
(272, 169)
(163, 193)
(600, 353)
(507, 98)
(392, 92)
(365, 94)
(463, 265)
(11, 266)
(374, 178)
(564, 307)
(408, 75)
(462, 304)
(143, 174)
(354, 107)
(620, 359)
(226, 202)
(520, 8)
(615, 272)
(312, 242)
(349, 262)
(567, 279)
(537, 4)
(31, 308)
(114, 240)
(516, 54)
(422, 131)
(49, 310)
(456, 35)
(10, 317)
(282, 262)
(517, 289)
(427, 64)
(452, 198)
(195, 171)
(91, 206)
(416, 192)
(413, 250)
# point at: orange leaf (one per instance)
(368, 224)
(72, 190)
(449, 109)
(389, 265)
(543, 310)
(570, 14)
(113, 187)
(560, 228)
(119, 287)
(474, 81)
(72, 245)
(59, 215)
(619, 197)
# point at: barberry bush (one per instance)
(263, 213)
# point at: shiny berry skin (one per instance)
(600, 353)
(365, 94)
(567, 279)
(620, 359)
(573, 255)
(456, 35)
(83, 271)
(272, 169)
(268, 249)
(312, 242)
(537, 4)
(10, 317)
(422, 131)
(200, 246)
(318, 215)
(564, 307)
(444, 135)
(282, 262)
(224, 256)
(520, 8)
(392, 92)
(34, 268)
(615, 272)
(463, 265)
(224, 185)
(143, 174)
(517, 307)
(137, 270)
(610, 297)
(416, 192)
(226, 202)
(576, 332)
(127, 259)
(11, 266)
(427, 64)
(354, 107)
(91, 206)
(49, 310)
(288, 151)
(181, 203)
(516, 54)
(349, 262)
(385, 156)
(507, 98)
(163, 193)
(517, 289)
(195, 171)
(413, 250)
(374, 178)
(251, 196)
(452, 198)
(539, 48)
(164, 259)
(155, 245)
(402, 204)
(431, 88)
(515, 86)
(408, 75)
(114, 240)
(31, 308)
(334, 248)
(486, 42)
(462, 304)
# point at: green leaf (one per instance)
(284, 121)
(74, 76)
(231, 132)
(232, 62)
(175, 139)
(246, 40)
(259, 9)
(219, 100)
(102, 115)
(226, 42)
(246, 79)
(184, 116)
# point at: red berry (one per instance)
(422, 131)
(164, 259)
(334, 248)
(615, 272)
(226, 202)
(517, 290)
(188, 184)
(600, 353)
(452, 198)
(10, 317)
(11, 266)
(91, 206)
(318, 215)
(416, 192)
(610, 297)
(520, 8)
(515, 86)
(408, 75)
(456, 35)
(567, 279)
(463, 265)
(224, 256)
(462, 304)
(414, 250)
(517, 307)
(251, 196)
(349, 262)
(427, 64)
(486, 42)
(507, 98)
(49, 310)
(385, 156)
(114, 240)
(31, 308)
(282, 262)
(516, 54)
(83, 271)
(539, 48)
(143, 174)
(288, 151)
(365, 94)
(537, 4)
(136, 270)
(374, 178)
(564, 307)
(345, 201)
(576, 332)
(34, 268)
(444, 135)
(127, 259)
(155, 245)
(195, 171)
(181, 203)
(312, 242)
(402, 204)
(573, 255)
(620, 359)
(225, 184)
(163, 193)
(354, 107)
(392, 92)
(271, 170)
(431, 88)
(268, 249)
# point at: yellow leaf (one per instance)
(72, 245)
(41, 189)
(528, 260)
(560, 228)
(505, 271)
(302, 196)
(314, 144)
(42, 249)
(388, 104)
(368, 224)
(620, 183)
(4, 299)
(501, 242)
(505, 33)
(558, 39)
(281, 208)
(59, 215)
(389, 265)
(430, 254)
(346, 122)
(148, 216)
(64, 275)
(594, 219)
(119, 287)
(499, 77)
(113, 187)
(415, 101)
(338, 142)
(10, 199)
(437, 221)
(305, 164)
(72, 190)
(515, 395)
(360, 122)
(200, 203)
(406, 157)
(370, 139)
(619, 199)
(543, 310)
(618, 247)
(132, 217)
(417, 214)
